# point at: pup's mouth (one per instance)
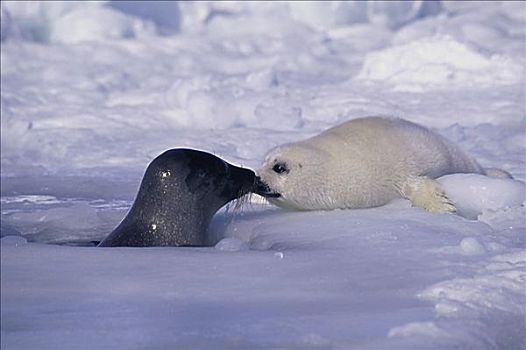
(264, 190)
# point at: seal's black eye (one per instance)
(280, 168)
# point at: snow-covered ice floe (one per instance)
(93, 91)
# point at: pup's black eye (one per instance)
(280, 168)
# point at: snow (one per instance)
(473, 193)
(93, 91)
(438, 61)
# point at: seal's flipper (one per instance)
(427, 193)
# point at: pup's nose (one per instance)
(263, 189)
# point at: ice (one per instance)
(230, 244)
(323, 16)
(165, 15)
(14, 240)
(470, 246)
(391, 14)
(491, 293)
(93, 91)
(473, 193)
(57, 224)
(437, 62)
(417, 328)
(394, 14)
(94, 23)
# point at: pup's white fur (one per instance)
(366, 163)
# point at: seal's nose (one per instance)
(241, 180)
(263, 189)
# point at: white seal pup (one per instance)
(364, 163)
(180, 192)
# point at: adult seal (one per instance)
(363, 163)
(180, 192)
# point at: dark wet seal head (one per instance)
(180, 192)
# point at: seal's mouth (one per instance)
(264, 190)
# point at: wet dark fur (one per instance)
(180, 192)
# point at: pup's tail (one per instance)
(497, 173)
